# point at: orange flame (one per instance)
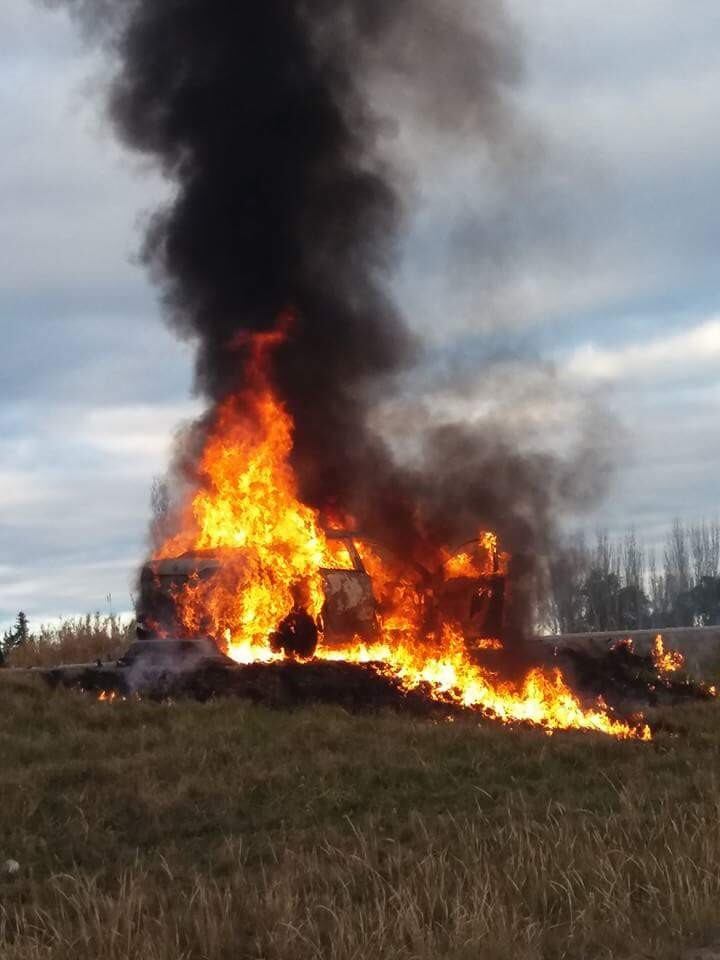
(461, 565)
(488, 643)
(478, 559)
(542, 697)
(666, 661)
(274, 545)
(273, 549)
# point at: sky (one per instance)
(586, 242)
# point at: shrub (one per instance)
(74, 640)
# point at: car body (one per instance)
(351, 610)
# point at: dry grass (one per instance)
(78, 640)
(226, 831)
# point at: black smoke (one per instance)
(260, 114)
(271, 118)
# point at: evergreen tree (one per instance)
(17, 636)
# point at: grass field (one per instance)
(223, 830)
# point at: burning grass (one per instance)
(225, 830)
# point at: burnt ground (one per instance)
(290, 684)
(627, 681)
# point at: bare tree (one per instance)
(704, 550)
(568, 570)
(633, 603)
(677, 570)
(658, 593)
(602, 585)
(633, 560)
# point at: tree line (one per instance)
(622, 585)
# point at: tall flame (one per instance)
(666, 661)
(274, 546)
(273, 549)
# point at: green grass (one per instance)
(222, 830)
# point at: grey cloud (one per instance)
(609, 204)
(671, 474)
(70, 198)
(670, 410)
(75, 489)
(23, 32)
(576, 44)
(53, 588)
(100, 360)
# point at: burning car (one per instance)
(354, 607)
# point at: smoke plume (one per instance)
(267, 118)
